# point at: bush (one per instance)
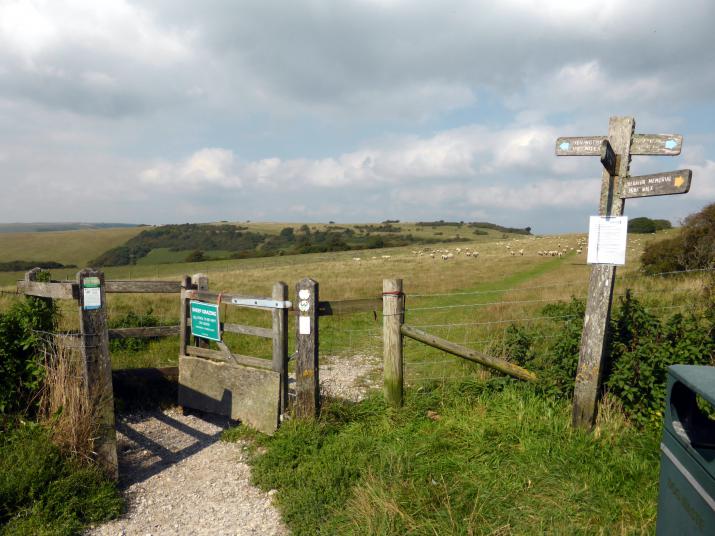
(196, 256)
(642, 347)
(21, 369)
(693, 249)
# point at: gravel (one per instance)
(178, 477)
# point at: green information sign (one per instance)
(205, 320)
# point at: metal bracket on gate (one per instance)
(270, 304)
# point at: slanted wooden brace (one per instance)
(615, 152)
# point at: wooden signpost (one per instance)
(615, 151)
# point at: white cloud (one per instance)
(211, 166)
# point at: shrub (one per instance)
(693, 249)
(21, 369)
(641, 348)
(196, 256)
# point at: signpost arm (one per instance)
(593, 352)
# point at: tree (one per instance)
(196, 256)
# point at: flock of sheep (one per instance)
(512, 249)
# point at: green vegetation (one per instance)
(42, 491)
(242, 243)
(48, 227)
(691, 249)
(476, 225)
(17, 266)
(460, 458)
(642, 347)
(21, 367)
(646, 225)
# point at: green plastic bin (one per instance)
(686, 501)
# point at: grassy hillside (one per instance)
(66, 247)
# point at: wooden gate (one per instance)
(245, 388)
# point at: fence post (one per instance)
(280, 341)
(392, 318)
(97, 365)
(307, 382)
(184, 315)
(200, 282)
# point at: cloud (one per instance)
(206, 167)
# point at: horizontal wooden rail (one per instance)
(58, 290)
(266, 333)
(467, 353)
(153, 287)
(68, 290)
(229, 358)
(143, 333)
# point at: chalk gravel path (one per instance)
(179, 478)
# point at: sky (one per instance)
(168, 111)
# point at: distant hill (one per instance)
(45, 227)
(188, 242)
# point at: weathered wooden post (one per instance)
(97, 365)
(184, 333)
(200, 282)
(393, 316)
(615, 152)
(280, 341)
(307, 382)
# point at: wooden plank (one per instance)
(467, 353)
(279, 319)
(98, 371)
(592, 353)
(155, 287)
(144, 333)
(393, 315)
(248, 394)
(656, 144)
(668, 183)
(328, 308)
(64, 290)
(246, 360)
(579, 145)
(255, 331)
(307, 381)
(608, 157)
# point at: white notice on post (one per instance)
(304, 325)
(607, 237)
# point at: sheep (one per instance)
(521, 252)
(357, 259)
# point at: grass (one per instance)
(470, 457)
(43, 492)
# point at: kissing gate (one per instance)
(244, 388)
(220, 381)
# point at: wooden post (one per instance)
(200, 282)
(393, 316)
(307, 382)
(97, 365)
(184, 333)
(594, 338)
(280, 341)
